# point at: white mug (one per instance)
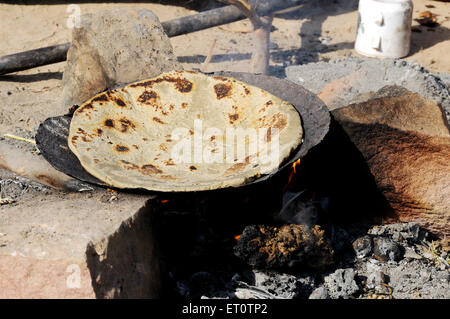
(384, 28)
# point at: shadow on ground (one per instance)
(421, 39)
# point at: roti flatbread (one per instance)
(183, 131)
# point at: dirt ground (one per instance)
(320, 30)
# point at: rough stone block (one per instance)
(114, 47)
(78, 246)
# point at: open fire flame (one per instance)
(293, 172)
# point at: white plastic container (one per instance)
(384, 28)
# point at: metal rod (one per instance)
(196, 22)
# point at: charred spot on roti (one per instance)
(129, 165)
(233, 118)
(145, 139)
(192, 168)
(85, 108)
(148, 97)
(222, 90)
(101, 98)
(279, 121)
(184, 105)
(74, 139)
(246, 90)
(150, 169)
(109, 123)
(191, 132)
(181, 84)
(96, 160)
(158, 120)
(85, 139)
(220, 78)
(237, 167)
(266, 105)
(126, 124)
(142, 84)
(99, 131)
(135, 146)
(120, 102)
(121, 148)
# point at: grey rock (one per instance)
(375, 278)
(284, 285)
(419, 279)
(112, 48)
(386, 249)
(319, 293)
(401, 232)
(253, 293)
(363, 246)
(445, 77)
(413, 278)
(411, 253)
(341, 283)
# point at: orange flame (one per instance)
(294, 171)
(164, 201)
(237, 237)
(297, 162)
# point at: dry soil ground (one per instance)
(321, 30)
